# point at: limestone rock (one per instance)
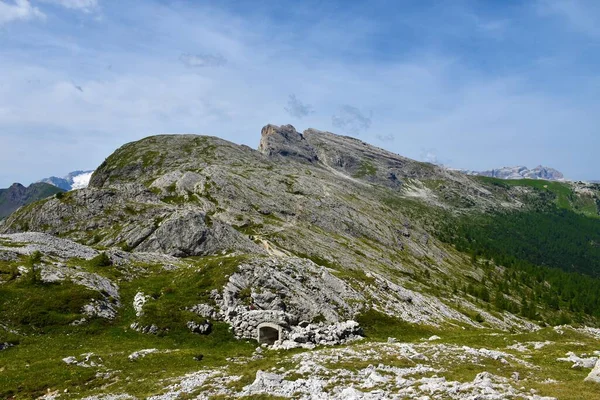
(141, 354)
(203, 328)
(579, 362)
(100, 309)
(285, 141)
(320, 334)
(187, 233)
(138, 303)
(594, 375)
(205, 311)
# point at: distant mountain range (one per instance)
(18, 195)
(520, 172)
(74, 180)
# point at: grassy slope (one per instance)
(564, 196)
(35, 366)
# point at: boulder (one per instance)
(594, 375)
(201, 328)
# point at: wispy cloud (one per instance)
(351, 120)
(581, 15)
(202, 60)
(460, 92)
(86, 6)
(18, 10)
(296, 108)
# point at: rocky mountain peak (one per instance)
(520, 172)
(16, 187)
(286, 141)
(74, 180)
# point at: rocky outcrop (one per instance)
(205, 311)
(188, 233)
(284, 291)
(202, 328)
(28, 242)
(138, 303)
(579, 362)
(594, 375)
(286, 142)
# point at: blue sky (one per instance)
(470, 84)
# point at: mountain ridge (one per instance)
(519, 172)
(18, 195)
(199, 244)
(74, 180)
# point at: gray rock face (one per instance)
(284, 291)
(594, 375)
(204, 310)
(285, 141)
(106, 307)
(100, 309)
(47, 244)
(187, 233)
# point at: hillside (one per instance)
(190, 248)
(18, 195)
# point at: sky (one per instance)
(467, 84)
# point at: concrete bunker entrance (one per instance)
(268, 333)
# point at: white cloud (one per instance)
(86, 6)
(18, 10)
(426, 100)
